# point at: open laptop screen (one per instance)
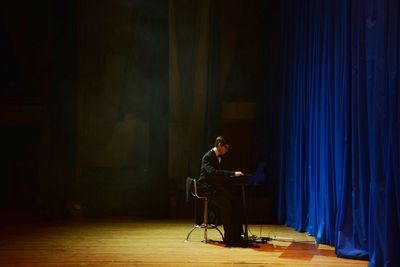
(258, 176)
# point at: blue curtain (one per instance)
(339, 165)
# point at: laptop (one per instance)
(258, 176)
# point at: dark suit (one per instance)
(216, 183)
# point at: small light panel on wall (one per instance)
(244, 111)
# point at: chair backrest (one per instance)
(191, 186)
(189, 182)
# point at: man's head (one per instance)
(221, 145)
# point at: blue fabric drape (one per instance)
(339, 176)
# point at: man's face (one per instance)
(222, 149)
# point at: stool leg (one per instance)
(205, 219)
(187, 238)
(205, 225)
(223, 238)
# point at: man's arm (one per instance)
(212, 171)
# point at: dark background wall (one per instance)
(122, 106)
(38, 104)
(96, 96)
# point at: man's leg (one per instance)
(225, 207)
(237, 220)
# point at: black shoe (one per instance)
(240, 243)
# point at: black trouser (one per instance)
(230, 208)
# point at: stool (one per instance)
(205, 225)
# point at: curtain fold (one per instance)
(339, 155)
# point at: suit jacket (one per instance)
(212, 174)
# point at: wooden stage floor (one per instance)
(135, 242)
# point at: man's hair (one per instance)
(220, 140)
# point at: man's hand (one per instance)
(239, 173)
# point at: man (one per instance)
(216, 183)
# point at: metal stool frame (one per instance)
(205, 225)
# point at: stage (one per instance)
(137, 242)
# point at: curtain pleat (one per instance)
(339, 175)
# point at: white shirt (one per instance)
(217, 154)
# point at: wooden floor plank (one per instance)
(133, 242)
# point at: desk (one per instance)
(243, 182)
